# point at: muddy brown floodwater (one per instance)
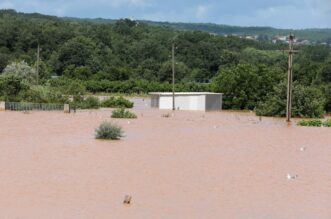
(193, 165)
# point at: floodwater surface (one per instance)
(191, 165)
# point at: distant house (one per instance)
(279, 38)
(201, 101)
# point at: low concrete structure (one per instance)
(2, 106)
(201, 101)
(66, 108)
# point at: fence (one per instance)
(16, 106)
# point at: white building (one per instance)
(202, 101)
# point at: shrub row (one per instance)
(315, 123)
(92, 102)
(141, 86)
(123, 114)
(113, 102)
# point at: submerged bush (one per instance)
(314, 122)
(87, 103)
(327, 123)
(108, 130)
(114, 102)
(122, 113)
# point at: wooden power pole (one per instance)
(38, 58)
(173, 76)
(290, 78)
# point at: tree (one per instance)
(307, 102)
(78, 51)
(245, 85)
(11, 86)
(326, 70)
(21, 70)
(165, 72)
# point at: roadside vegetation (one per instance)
(115, 102)
(315, 123)
(123, 113)
(128, 57)
(108, 131)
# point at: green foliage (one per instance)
(245, 85)
(86, 103)
(135, 57)
(11, 87)
(307, 102)
(327, 123)
(314, 122)
(21, 70)
(122, 113)
(108, 131)
(44, 94)
(114, 102)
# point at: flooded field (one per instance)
(192, 165)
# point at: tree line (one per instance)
(132, 57)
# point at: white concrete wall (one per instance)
(2, 106)
(183, 102)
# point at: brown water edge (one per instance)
(192, 165)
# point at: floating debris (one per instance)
(302, 149)
(127, 200)
(167, 115)
(291, 177)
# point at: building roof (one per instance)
(183, 93)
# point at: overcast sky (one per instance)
(275, 13)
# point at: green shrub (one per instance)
(122, 113)
(87, 103)
(108, 130)
(115, 102)
(314, 122)
(327, 123)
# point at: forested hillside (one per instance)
(132, 57)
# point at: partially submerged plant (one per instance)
(122, 113)
(327, 123)
(167, 115)
(113, 102)
(313, 122)
(108, 130)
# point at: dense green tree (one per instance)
(11, 86)
(245, 85)
(307, 102)
(165, 73)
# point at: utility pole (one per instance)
(291, 52)
(38, 57)
(173, 76)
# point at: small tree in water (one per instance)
(108, 130)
